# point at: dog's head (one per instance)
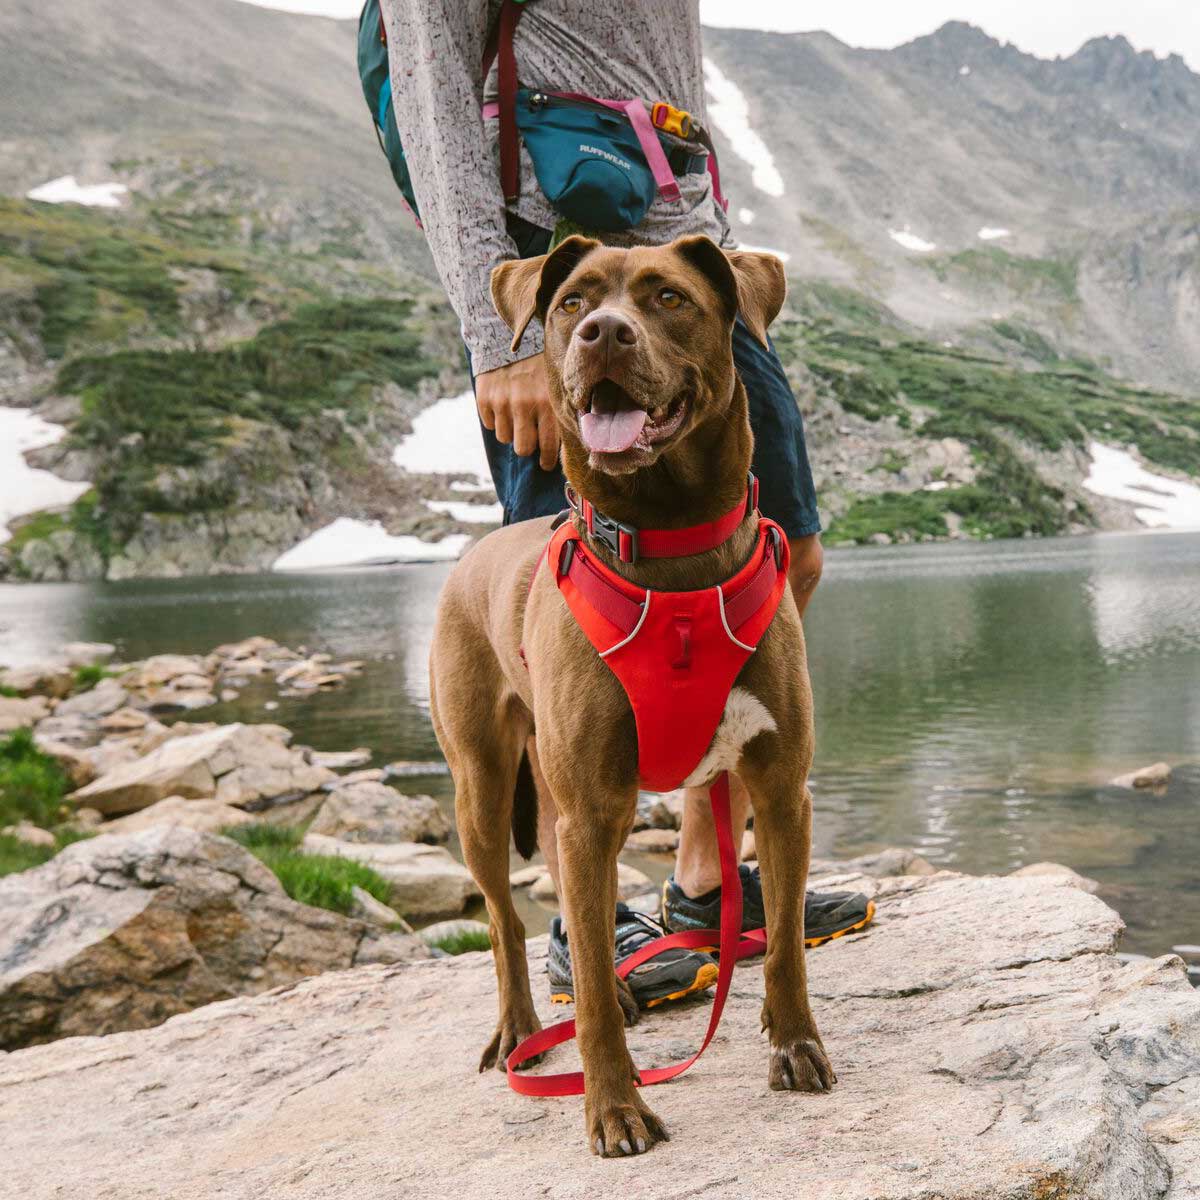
(638, 342)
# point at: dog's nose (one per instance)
(607, 330)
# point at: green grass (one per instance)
(9, 693)
(321, 880)
(146, 409)
(1056, 277)
(32, 785)
(87, 677)
(16, 855)
(463, 943)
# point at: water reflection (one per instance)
(971, 699)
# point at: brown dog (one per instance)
(628, 332)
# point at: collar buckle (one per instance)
(616, 536)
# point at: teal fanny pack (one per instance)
(591, 162)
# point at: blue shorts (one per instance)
(786, 492)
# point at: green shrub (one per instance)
(323, 881)
(32, 785)
(464, 942)
(87, 677)
(16, 855)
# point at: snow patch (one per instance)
(910, 241)
(25, 489)
(1162, 503)
(446, 441)
(990, 233)
(350, 543)
(782, 255)
(65, 190)
(468, 513)
(730, 113)
(746, 216)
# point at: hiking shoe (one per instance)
(669, 975)
(827, 915)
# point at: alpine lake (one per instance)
(972, 699)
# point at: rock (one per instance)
(161, 669)
(110, 754)
(85, 820)
(649, 903)
(125, 930)
(374, 812)
(53, 679)
(375, 912)
(105, 698)
(749, 851)
(228, 695)
(125, 720)
(879, 539)
(87, 654)
(426, 881)
(21, 713)
(204, 816)
(177, 699)
(404, 769)
(68, 730)
(884, 863)
(29, 833)
(444, 930)
(340, 760)
(630, 882)
(526, 876)
(653, 841)
(656, 811)
(1091, 886)
(238, 764)
(1155, 776)
(76, 762)
(988, 1045)
(370, 775)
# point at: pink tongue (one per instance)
(612, 432)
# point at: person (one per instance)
(632, 48)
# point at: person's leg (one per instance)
(787, 495)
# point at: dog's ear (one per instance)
(522, 288)
(752, 283)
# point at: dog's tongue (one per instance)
(614, 422)
(612, 432)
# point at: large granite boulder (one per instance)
(125, 930)
(204, 816)
(374, 812)
(987, 1042)
(21, 712)
(425, 880)
(240, 765)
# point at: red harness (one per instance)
(677, 655)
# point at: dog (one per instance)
(538, 733)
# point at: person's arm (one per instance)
(436, 52)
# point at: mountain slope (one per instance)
(236, 351)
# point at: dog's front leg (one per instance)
(618, 1121)
(783, 836)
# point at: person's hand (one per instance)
(514, 402)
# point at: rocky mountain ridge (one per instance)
(952, 381)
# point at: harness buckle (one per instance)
(618, 537)
(776, 546)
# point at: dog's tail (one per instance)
(525, 810)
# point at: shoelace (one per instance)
(633, 925)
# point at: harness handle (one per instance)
(734, 945)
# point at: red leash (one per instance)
(734, 945)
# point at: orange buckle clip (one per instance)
(673, 120)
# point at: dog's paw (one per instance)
(800, 1066)
(629, 1006)
(510, 1033)
(619, 1128)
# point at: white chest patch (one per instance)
(745, 716)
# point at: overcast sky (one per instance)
(1043, 27)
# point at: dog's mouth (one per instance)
(615, 423)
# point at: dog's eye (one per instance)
(572, 303)
(669, 298)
